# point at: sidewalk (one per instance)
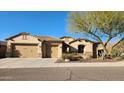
(48, 62)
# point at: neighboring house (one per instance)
(26, 45)
(84, 47)
(2, 49)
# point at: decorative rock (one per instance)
(67, 60)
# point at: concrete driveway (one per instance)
(51, 62)
(25, 62)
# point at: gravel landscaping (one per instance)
(91, 60)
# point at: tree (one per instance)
(118, 50)
(102, 26)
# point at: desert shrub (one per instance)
(122, 56)
(118, 50)
(65, 56)
(72, 56)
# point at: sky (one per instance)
(50, 23)
(43, 23)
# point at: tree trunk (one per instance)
(105, 53)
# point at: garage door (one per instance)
(25, 51)
(54, 51)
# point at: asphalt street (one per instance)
(63, 74)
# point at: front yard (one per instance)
(76, 57)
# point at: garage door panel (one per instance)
(54, 50)
(25, 51)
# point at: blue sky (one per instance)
(37, 23)
(44, 23)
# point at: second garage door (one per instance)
(54, 50)
(25, 50)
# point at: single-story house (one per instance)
(2, 49)
(25, 45)
(85, 47)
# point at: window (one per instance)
(80, 48)
(24, 37)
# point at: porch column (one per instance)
(40, 50)
(60, 51)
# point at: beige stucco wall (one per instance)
(88, 46)
(60, 50)
(88, 49)
(99, 47)
(19, 39)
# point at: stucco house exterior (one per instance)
(84, 47)
(25, 45)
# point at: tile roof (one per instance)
(22, 33)
(48, 38)
(3, 43)
(83, 39)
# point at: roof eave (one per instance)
(23, 33)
